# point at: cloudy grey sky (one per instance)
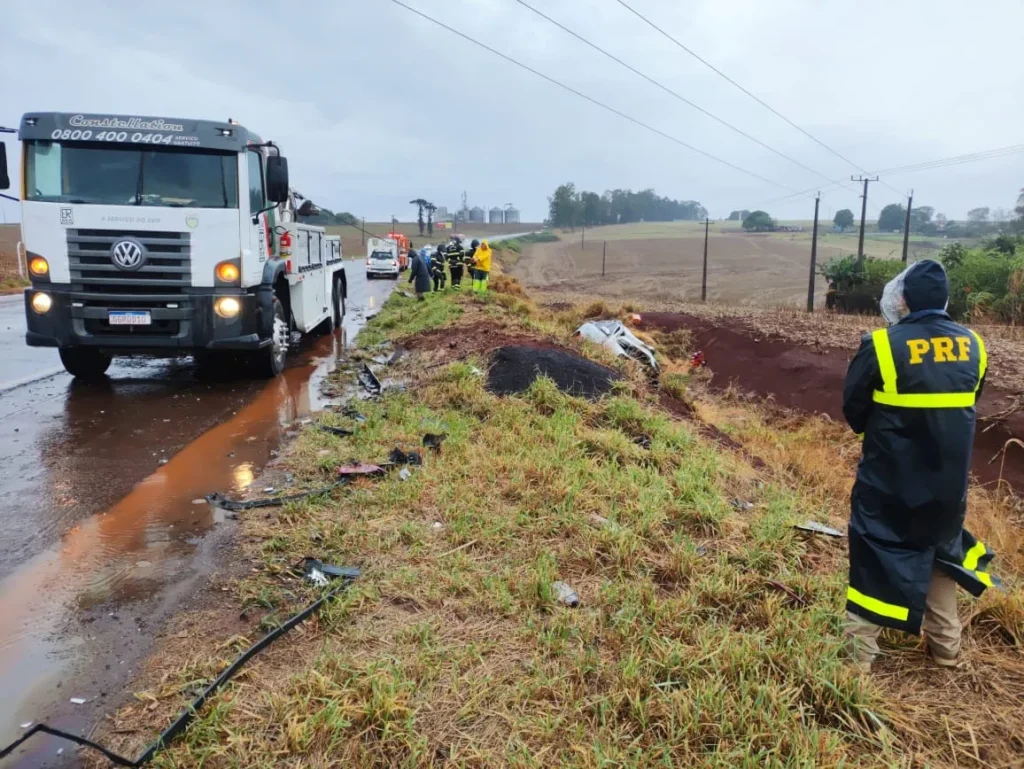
(375, 106)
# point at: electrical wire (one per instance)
(671, 92)
(760, 101)
(590, 99)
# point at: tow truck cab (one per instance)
(167, 237)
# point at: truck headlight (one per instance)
(39, 267)
(228, 272)
(41, 302)
(226, 307)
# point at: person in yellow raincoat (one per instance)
(481, 267)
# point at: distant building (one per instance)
(441, 214)
(511, 215)
(476, 215)
(495, 216)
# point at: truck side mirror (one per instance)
(277, 179)
(5, 180)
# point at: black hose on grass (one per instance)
(189, 714)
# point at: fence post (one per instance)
(814, 256)
(604, 253)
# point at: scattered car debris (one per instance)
(701, 550)
(359, 468)
(643, 441)
(438, 525)
(232, 505)
(77, 701)
(434, 440)
(404, 474)
(369, 380)
(619, 339)
(396, 356)
(604, 523)
(320, 573)
(351, 413)
(565, 594)
(793, 595)
(269, 490)
(399, 457)
(741, 504)
(817, 528)
(199, 501)
(697, 360)
(26, 725)
(341, 432)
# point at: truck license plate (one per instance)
(129, 318)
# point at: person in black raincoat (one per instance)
(456, 256)
(419, 271)
(437, 260)
(911, 390)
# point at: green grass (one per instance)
(707, 636)
(12, 285)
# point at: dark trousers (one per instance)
(456, 275)
(439, 282)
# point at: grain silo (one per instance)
(495, 216)
(476, 214)
(511, 215)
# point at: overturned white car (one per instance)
(616, 337)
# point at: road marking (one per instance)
(13, 385)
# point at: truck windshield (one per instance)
(130, 175)
(382, 255)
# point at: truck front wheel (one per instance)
(338, 303)
(270, 360)
(85, 363)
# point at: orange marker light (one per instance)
(39, 266)
(228, 272)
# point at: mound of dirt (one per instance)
(514, 368)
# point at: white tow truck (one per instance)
(167, 237)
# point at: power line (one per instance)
(590, 99)
(760, 101)
(955, 160)
(669, 91)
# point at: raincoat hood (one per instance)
(922, 286)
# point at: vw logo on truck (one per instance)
(127, 254)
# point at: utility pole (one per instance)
(814, 255)
(863, 215)
(704, 278)
(362, 232)
(906, 226)
(604, 253)
(583, 236)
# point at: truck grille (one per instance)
(166, 275)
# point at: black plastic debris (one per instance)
(399, 457)
(341, 432)
(351, 413)
(320, 573)
(741, 504)
(233, 505)
(369, 380)
(643, 441)
(817, 528)
(434, 440)
(513, 369)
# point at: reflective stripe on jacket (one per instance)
(911, 389)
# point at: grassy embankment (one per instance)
(708, 633)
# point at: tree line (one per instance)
(327, 217)
(568, 207)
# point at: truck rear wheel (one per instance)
(337, 303)
(269, 362)
(85, 363)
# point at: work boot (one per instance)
(949, 663)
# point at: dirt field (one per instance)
(353, 245)
(742, 269)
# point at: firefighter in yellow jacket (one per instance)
(911, 390)
(481, 267)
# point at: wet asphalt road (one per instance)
(102, 539)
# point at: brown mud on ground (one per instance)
(810, 379)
